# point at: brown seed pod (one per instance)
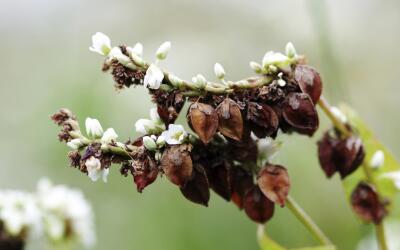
(309, 81)
(300, 113)
(169, 106)
(196, 189)
(177, 164)
(258, 207)
(230, 119)
(146, 175)
(204, 121)
(274, 182)
(340, 155)
(219, 178)
(366, 204)
(241, 183)
(263, 120)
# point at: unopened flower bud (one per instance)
(160, 141)
(163, 50)
(256, 67)
(154, 77)
(117, 54)
(219, 71)
(93, 128)
(109, 136)
(75, 144)
(175, 81)
(377, 160)
(137, 50)
(200, 81)
(290, 50)
(149, 143)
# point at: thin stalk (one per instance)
(306, 220)
(379, 228)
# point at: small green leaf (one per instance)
(265, 242)
(385, 186)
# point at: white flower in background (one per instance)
(267, 149)
(163, 50)
(256, 67)
(137, 50)
(339, 114)
(274, 58)
(109, 136)
(93, 128)
(75, 144)
(117, 54)
(154, 77)
(67, 215)
(392, 229)
(20, 214)
(290, 50)
(377, 160)
(101, 44)
(95, 171)
(149, 143)
(219, 71)
(175, 134)
(394, 176)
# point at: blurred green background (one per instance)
(45, 64)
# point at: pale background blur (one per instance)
(45, 64)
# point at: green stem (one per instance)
(380, 235)
(306, 220)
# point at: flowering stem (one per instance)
(379, 228)
(304, 218)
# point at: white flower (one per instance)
(160, 141)
(339, 114)
(137, 50)
(93, 128)
(256, 67)
(144, 126)
(394, 176)
(153, 78)
(109, 136)
(163, 50)
(66, 209)
(117, 54)
(199, 81)
(75, 143)
(100, 44)
(219, 71)
(95, 171)
(377, 160)
(290, 50)
(149, 143)
(175, 134)
(274, 58)
(267, 149)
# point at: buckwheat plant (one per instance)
(57, 213)
(236, 125)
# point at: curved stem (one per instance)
(379, 228)
(306, 220)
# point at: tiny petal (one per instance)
(93, 166)
(100, 44)
(153, 78)
(175, 134)
(117, 54)
(144, 126)
(163, 50)
(109, 136)
(75, 144)
(93, 128)
(256, 67)
(377, 160)
(339, 114)
(149, 143)
(290, 50)
(219, 71)
(274, 58)
(137, 50)
(154, 114)
(394, 176)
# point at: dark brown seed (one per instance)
(204, 121)
(196, 189)
(309, 81)
(274, 182)
(169, 107)
(340, 155)
(177, 164)
(219, 178)
(263, 120)
(366, 203)
(258, 207)
(300, 113)
(146, 175)
(241, 183)
(230, 119)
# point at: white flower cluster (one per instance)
(272, 61)
(57, 212)
(156, 134)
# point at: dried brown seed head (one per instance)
(219, 178)
(258, 207)
(274, 182)
(177, 164)
(196, 189)
(204, 121)
(146, 174)
(230, 119)
(309, 81)
(263, 120)
(366, 203)
(241, 183)
(168, 105)
(300, 113)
